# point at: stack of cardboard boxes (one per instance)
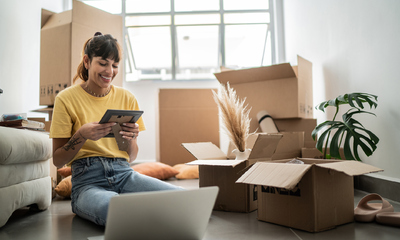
(62, 38)
(314, 196)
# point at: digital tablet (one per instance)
(120, 116)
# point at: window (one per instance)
(191, 39)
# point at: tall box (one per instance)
(185, 115)
(314, 196)
(62, 38)
(216, 170)
(283, 90)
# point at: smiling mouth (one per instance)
(107, 78)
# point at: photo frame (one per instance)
(120, 116)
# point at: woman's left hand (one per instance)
(129, 131)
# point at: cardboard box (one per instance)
(185, 115)
(289, 146)
(62, 38)
(314, 196)
(48, 110)
(282, 90)
(307, 125)
(315, 153)
(216, 170)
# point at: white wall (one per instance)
(20, 23)
(354, 46)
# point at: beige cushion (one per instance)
(22, 146)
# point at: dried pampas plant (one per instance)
(235, 116)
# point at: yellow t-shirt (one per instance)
(74, 107)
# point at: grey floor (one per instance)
(58, 222)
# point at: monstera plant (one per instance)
(349, 132)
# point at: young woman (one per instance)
(99, 169)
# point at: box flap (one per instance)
(205, 150)
(351, 168)
(264, 146)
(272, 72)
(93, 17)
(56, 20)
(304, 68)
(46, 14)
(275, 174)
(227, 163)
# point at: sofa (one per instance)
(24, 171)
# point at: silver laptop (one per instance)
(160, 215)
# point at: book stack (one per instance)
(24, 124)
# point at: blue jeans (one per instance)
(96, 179)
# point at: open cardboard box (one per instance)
(283, 90)
(289, 146)
(314, 196)
(306, 125)
(315, 153)
(62, 38)
(216, 170)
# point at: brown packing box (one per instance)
(185, 115)
(48, 110)
(306, 125)
(315, 153)
(62, 38)
(284, 91)
(289, 146)
(314, 196)
(216, 170)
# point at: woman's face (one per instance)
(101, 71)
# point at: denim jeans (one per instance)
(96, 179)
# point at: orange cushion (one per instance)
(64, 171)
(64, 187)
(187, 171)
(156, 169)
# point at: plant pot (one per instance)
(241, 155)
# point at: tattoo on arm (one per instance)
(71, 143)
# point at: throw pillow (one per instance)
(156, 169)
(187, 171)
(64, 187)
(64, 171)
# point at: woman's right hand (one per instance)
(65, 149)
(95, 131)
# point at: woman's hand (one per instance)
(65, 149)
(95, 131)
(130, 131)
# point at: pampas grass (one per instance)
(234, 114)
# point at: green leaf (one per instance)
(334, 147)
(351, 129)
(358, 98)
(350, 132)
(347, 150)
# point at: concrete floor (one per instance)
(58, 222)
